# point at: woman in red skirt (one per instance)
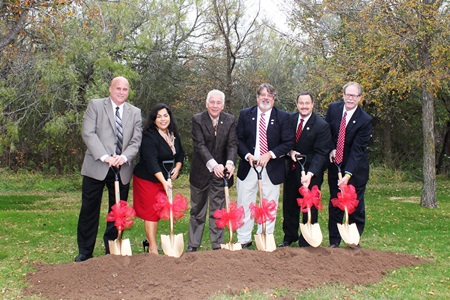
(160, 142)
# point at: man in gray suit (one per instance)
(106, 154)
(215, 149)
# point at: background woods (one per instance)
(57, 55)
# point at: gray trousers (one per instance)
(212, 194)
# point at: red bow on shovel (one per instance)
(310, 232)
(122, 215)
(346, 200)
(232, 219)
(163, 206)
(265, 212)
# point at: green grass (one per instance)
(38, 215)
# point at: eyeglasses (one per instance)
(351, 96)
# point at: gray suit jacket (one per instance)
(207, 145)
(98, 134)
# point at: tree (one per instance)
(393, 48)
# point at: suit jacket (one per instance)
(98, 133)
(315, 144)
(207, 145)
(357, 136)
(279, 137)
(154, 150)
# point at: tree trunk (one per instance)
(387, 142)
(445, 150)
(429, 152)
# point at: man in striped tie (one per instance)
(351, 131)
(112, 132)
(265, 135)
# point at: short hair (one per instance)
(305, 94)
(215, 92)
(269, 87)
(355, 84)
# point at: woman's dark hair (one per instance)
(152, 117)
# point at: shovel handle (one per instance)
(259, 173)
(116, 184)
(301, 160)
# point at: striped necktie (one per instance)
(119, 133)
(263, 146)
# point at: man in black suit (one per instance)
(215, 148)
(312, 138)
(353, 157)
(265, 135)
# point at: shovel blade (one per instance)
(231, 246)
(349, 233)
(172, 245)
(312, 234)
(265, 242)
(120, 247)
(114, 247)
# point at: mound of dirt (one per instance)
(201, 274)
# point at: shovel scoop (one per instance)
(346, 200)
(231, 217)
(172, 244)
(122, 216)
(310, 232)
(263, 212)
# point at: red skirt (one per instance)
(144, 198)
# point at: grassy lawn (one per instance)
(39, 214)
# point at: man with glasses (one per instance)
(351, 131)
(215, 149)
(265, 136)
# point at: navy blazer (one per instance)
(357, 136)
(279, 138)
(314, 143)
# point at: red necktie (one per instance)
(341, 140)
(299, 130)
(263, 147)
(297, 137)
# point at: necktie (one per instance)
(119, 133)
(263, 147)
(215, 126)
(299, 130)
(297, 137)
(341, 140)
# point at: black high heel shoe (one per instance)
(145, 244)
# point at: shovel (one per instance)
(119, 246)
(264, 241)
(229, 245)
(348, 232)
(310, 232)
(171, 244)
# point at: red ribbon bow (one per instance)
(235, 217)
(179, 205)
(122, 215)
(310, 198)
(266, 212)
(346, 198)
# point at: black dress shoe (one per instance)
(145, 245)
(284, 244)
(246, 245)
(82, 257)
(334, 246)
(191, 249)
